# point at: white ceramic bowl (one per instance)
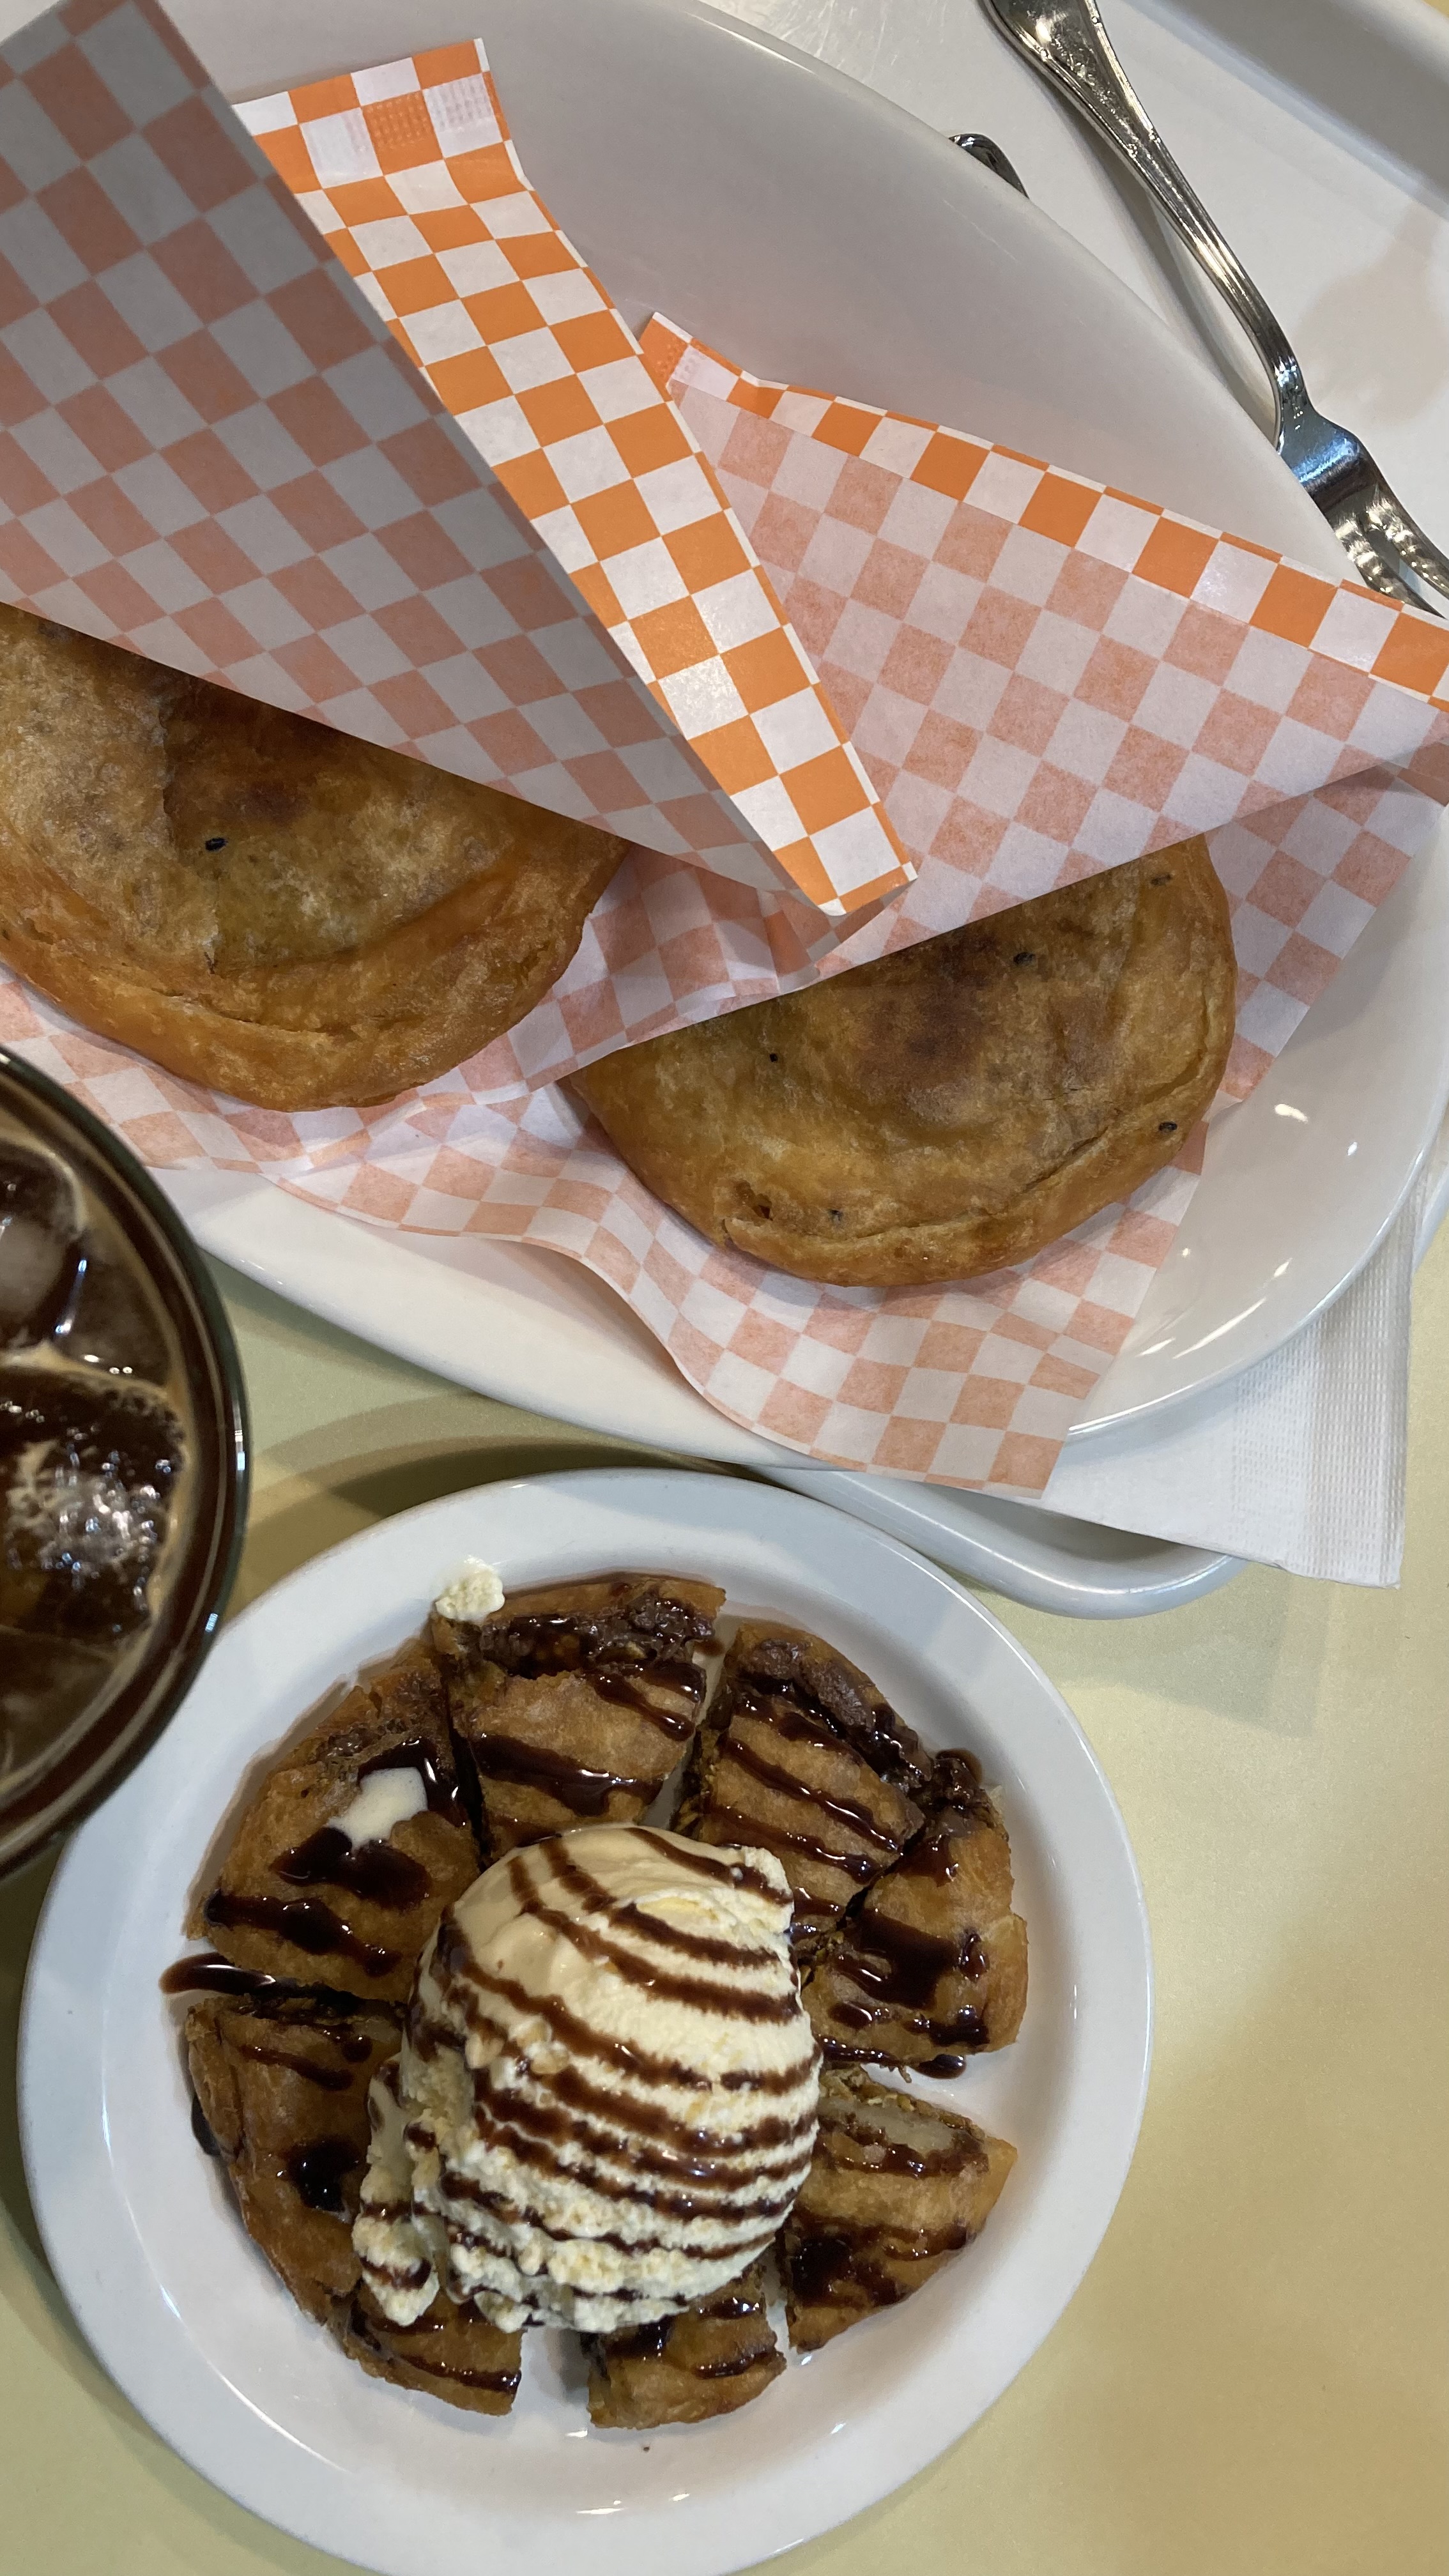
(186, 2316)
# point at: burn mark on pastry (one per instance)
(202, 2130)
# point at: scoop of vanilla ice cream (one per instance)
(605, 2100)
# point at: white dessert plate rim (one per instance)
(180, 2308)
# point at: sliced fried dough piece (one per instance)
(449, 2352)
(710, 2360)
(954, 1106)
(281, 2081)
(298, 1896)
(931, 1968)
(802, 1757)
(895, 2189)
(576, 1702)
(256, 901)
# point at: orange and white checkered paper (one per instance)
(213, 449)
(1044, 678)
(409, 173)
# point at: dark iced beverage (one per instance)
(96, 1447)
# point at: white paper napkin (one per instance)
(1298, 1462)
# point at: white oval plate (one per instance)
(191, 2323)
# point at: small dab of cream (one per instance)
(388, 1798)
(474, 1593)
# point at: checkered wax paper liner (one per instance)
(973, 1385)
(1044, 678)
(214, 449)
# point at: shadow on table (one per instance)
(303, 1514)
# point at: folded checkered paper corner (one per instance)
(1039, 679)
(347, 423)
(439, 501)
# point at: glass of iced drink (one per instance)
(122, 1460)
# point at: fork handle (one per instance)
(1066, 40)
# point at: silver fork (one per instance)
(1067, 43)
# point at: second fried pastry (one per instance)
(574, 1703)
(931, 1968)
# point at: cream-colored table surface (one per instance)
(1251, 2381)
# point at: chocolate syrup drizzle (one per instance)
(377, 1871)
(898, 1970)
(826, 2262)
(823, 2266)
(208, 1973)
(649, 1634)
(628, 1658)
(395, 2343)
(646, 1645)
(661, 2340)
(558, 1775)
(318, 2169)
(310, 1926)
(794, 1688)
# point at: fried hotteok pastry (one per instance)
(711, 2360)
(931, 1967)
(950, 1108)
(576, 1702)
(895, 2188)
(256, 901)
(449, 2352)
(281, 2086)
(802, 1757)
(353, 1845)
